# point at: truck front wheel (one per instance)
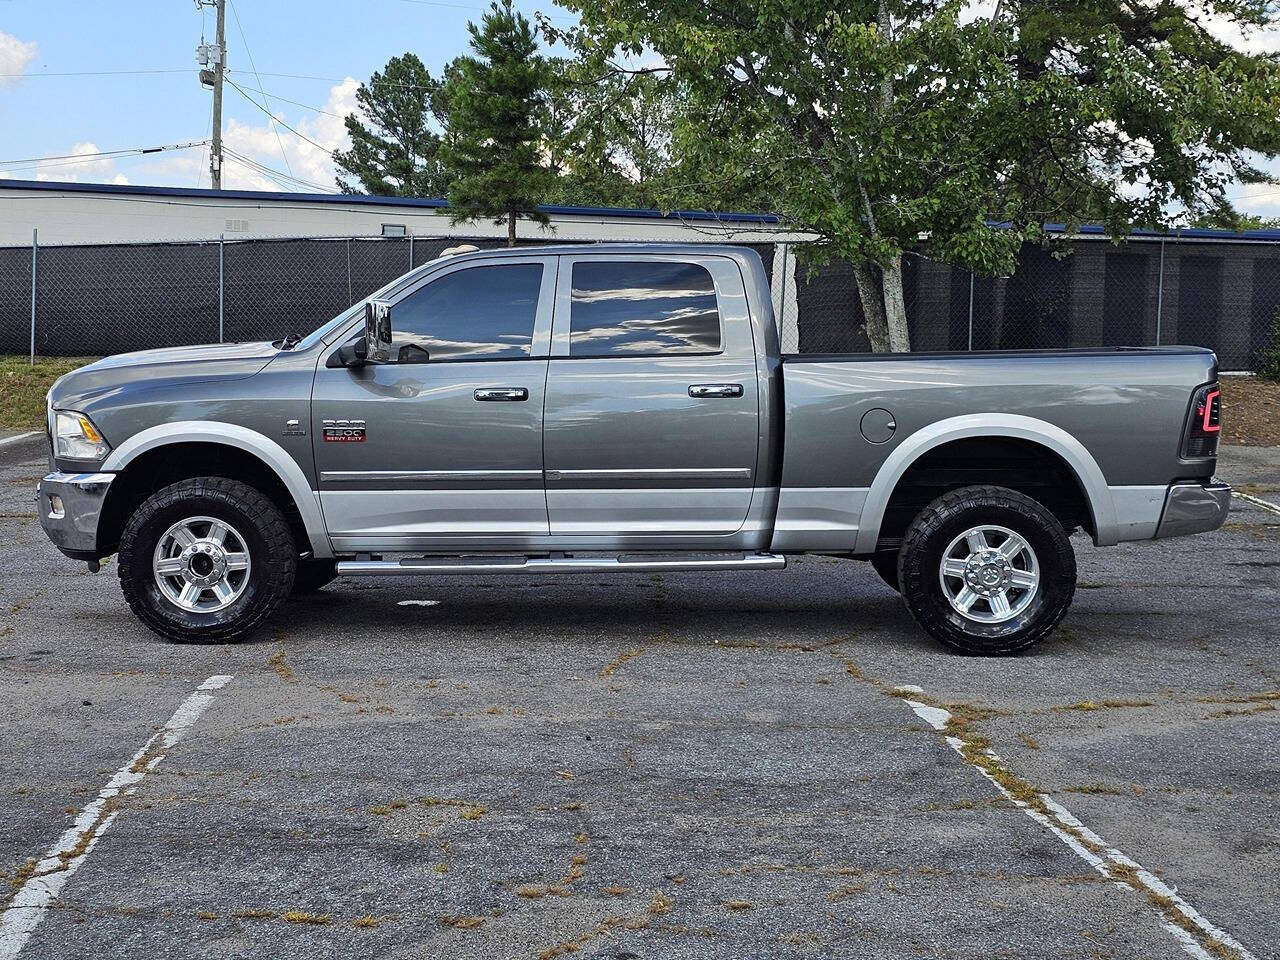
(987, 570)
(206, 560)
(886, 565)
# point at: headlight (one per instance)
(76, 438)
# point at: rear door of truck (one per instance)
(650, 424)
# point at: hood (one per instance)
(147, 368)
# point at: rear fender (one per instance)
(1054, 438)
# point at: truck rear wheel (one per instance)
(987, 570)
(206, 560)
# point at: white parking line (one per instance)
(1257, 501)
(1113, 864)
(22, 436)
(28, 906)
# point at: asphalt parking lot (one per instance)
(759, 765)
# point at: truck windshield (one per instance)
(318, 334)
(346, 316)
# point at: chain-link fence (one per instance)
(1222, 294)
(97, 300)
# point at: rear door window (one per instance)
(621, 308)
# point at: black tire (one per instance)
(313, 574)
(947, 518)
(886, 564)
(267, 538)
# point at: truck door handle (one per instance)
(501, 393)
(715, 390)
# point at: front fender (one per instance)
(233, 435)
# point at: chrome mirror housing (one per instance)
(377, 331)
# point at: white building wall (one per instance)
(71, 216)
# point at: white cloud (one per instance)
(66, 167)
(270, 143)
(1248, 39)
(1260, 199)
(14, 55)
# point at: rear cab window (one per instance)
(624, 308)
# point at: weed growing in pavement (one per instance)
(302, 916)
(976, 750)
(280, 665)
(610, 668)
(462, 922)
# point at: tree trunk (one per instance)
(895, 307)
(511, 229)
(871, 295)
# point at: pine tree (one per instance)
(397, 154)
(493, 143)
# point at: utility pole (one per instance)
(215, 56)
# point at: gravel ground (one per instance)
(659, 767)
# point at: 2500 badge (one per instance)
(344, 431)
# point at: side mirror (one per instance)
(349, 355)
(377, 331)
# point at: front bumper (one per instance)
(1194, 507)
(69, 505)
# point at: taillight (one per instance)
(1206, 424)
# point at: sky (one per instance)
(79, 79)
(325, 46)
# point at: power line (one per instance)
(93, 73)
(107, 153)
(305, 76)
(277, 175)
(239, 89)
(304, 106)
(245, 40)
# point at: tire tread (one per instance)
(946, 507)
(258, 510)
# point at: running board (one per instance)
(420, 566)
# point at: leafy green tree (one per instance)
(618, 147)
(395, 149)
(494, 140)
(877, 125)
(1166, 115)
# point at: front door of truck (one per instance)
(442, 448)
(652, 412)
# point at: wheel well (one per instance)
(170, 463)
(1022, 465)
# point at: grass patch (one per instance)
(23, 388)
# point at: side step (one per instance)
(420, 566)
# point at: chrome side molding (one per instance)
(625, 563)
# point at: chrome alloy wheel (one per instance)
(989, 574)
(201, 564)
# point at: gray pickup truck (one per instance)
(617, 408)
